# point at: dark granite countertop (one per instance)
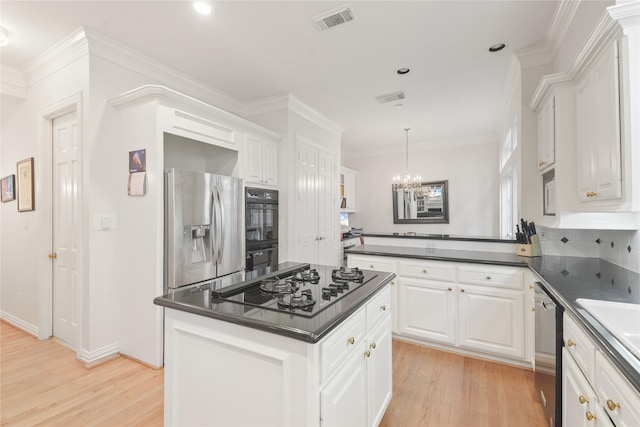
(566, 279)
(411, 235)
(199, 300)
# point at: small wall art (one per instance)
(7, 186)
(26, 201)
(136, 185)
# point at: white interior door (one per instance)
(306, 204)
(66, 228)
(328, 218)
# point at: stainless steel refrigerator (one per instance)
(203, 236)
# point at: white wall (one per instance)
(472, 172)
(26, 236)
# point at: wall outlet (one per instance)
(543, 235)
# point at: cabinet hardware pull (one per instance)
(582, 399)
(531, 286)
(571, 343)
(590, 416)
(393, 282)
(541, 162)
(612, 405)
(533, 309)
(372, 346)
(449, 289)
(424, 270)
(367, 353)
(371, 266)
(383, 308)
(488, 277)
(461, 290)
(53, 255)
(351, 340)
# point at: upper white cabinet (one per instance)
(598, 129)
(546, 135)
(347, 190)
(261, 161)
(588, 131)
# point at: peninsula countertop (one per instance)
(201, 300)
(565, 278)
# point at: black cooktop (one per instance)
(302, 291)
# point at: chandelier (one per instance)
(407, 182)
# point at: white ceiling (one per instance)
(257, 49)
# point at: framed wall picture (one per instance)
(7, 186)
(26, 201)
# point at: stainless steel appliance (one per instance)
(261, 229)
(548, 354)
(203, 227)
(301, 291)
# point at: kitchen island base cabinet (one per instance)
(222, 373)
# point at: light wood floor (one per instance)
(437, 388)
(41, 383)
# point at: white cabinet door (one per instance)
(254, 159)
(261, 161)
(379, 372)
(546, 135)
(491, 320)
(270, 163)
(426, 309)
(598, 130)
(578, 398)
(343, 401)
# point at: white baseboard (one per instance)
(96, 355)
(19, 323)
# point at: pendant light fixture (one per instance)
(406, 182)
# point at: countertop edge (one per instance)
(439, 237)
(295, 333)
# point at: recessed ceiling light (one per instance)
(203, 8)
(497, 47)
(402, 71)
(4, 37)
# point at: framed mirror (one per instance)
(426, 204)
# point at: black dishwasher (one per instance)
(548, 354)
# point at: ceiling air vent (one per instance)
(396, 96)
(335, 17)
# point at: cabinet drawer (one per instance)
(433, 270)
(378, 307)
(618, 399)
(372, 263)
(502, 277)
(341, 343)
(579, 346)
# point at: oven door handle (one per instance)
(262, 250)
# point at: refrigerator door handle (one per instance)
(213, 233)
(219, 224)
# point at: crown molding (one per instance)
(126, 57)
(12, 82)
(155, 92)
(545, 87)
(544, 53)
(60, 55)
(292, 103)
(626, 14)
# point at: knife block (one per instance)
(529, 250)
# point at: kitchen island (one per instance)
(230, 360)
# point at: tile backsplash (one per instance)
(618, 247)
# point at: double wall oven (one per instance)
(261, 231)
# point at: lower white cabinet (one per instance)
(213, 367)
(580, 405)
(360, 391)
(478, 309)
(594, 392)
(491, 320)
(428, 310)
